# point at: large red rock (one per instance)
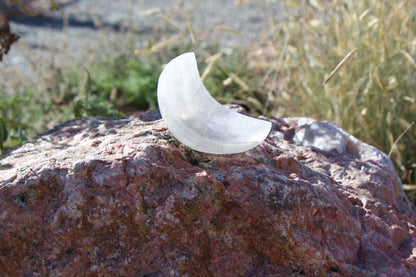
(121, 197)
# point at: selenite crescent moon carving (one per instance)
(196, 119)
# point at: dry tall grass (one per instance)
(372, 96)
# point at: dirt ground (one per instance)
(84, 30)
(11, 10)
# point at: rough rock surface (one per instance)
(105, 197)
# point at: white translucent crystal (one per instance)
(198, 120)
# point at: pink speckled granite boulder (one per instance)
(121, 197)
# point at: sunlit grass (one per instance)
(115, 85)
(372, 96)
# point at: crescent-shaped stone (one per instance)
(198, 120)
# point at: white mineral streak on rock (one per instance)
(322, 136)
(328, 136)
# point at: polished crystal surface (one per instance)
(198, 120)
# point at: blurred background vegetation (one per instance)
(373, 96)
